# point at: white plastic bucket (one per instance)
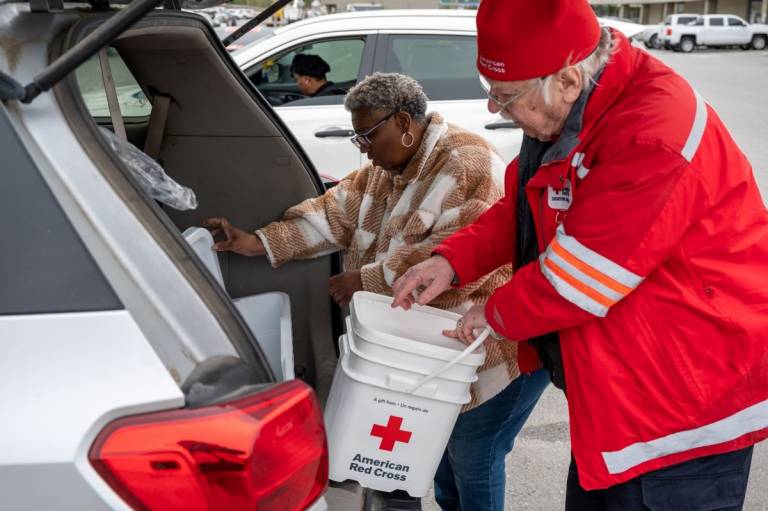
(268, 315)
(388, 422)
(201, 242)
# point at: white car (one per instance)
(665, 29)
(650, 36)
(628, 28)
(716, 30)
(436, 47)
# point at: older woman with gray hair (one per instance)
(426, 179)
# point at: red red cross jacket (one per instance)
(655, 274)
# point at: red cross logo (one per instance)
(391, 433)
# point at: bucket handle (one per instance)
(458, 358)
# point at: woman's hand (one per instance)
(343, 286)
(472, 320)
(435, 275)
(236, 240)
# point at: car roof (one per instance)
(411, 20)
(388, 18)
(417, 20)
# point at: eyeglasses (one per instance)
(362, 140)
(504, 100)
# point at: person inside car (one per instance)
(426, 180)
(310, 73)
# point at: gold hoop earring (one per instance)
(410, 144)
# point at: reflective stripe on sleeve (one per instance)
(697, 130)
(584, 277)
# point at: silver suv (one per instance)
(132, 378)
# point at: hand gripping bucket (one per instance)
(396, 394)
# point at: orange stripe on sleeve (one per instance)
(587, 290)
(589, 270)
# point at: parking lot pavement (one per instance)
(734, 83)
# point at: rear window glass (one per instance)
(343, 56)
(423, 58)
(133, 103)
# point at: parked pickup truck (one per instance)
(716, 30)
(656, 36)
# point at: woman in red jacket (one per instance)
(640, 245)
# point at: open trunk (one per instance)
(223, 141)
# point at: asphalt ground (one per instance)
(735, 83)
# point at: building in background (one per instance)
(650, 12)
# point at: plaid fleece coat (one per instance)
(387, 223)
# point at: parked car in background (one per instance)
(650, 36)
(243, 14)
(673, 20)
(224, 17)
(628, 28)
(436, 47)
(371, 6)
(716, 31)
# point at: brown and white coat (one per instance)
(387, 223)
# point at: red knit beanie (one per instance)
(524, 39)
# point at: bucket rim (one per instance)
(344, 355)
(352, 336)
(409, 345)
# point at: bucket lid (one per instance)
(417, 331)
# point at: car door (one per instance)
(321, 124)
(715, 31)
(444, 65)
(738, 31)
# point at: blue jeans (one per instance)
(712, 483)
(471, 474)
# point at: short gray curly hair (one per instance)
(388, 91)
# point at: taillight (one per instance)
(263, 452)
(669, 31)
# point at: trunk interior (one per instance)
(224, 142)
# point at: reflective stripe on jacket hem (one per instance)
(739, 424)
